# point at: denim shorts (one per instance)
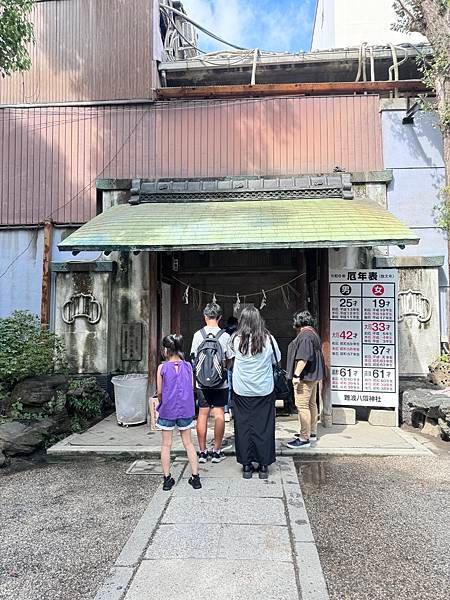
(170, 424)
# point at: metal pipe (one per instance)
(358, 75)
(372, 64)
(255, 60)
(364, 46)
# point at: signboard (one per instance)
(363, 332)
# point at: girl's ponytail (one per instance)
(174, 344)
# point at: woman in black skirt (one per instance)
(255, 351)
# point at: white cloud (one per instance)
(266, 24)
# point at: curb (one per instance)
(310, 577)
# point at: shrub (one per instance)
(27, 350)
(85, 400)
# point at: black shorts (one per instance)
(211, 398)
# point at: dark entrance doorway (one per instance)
(295, 274)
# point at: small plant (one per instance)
(17, 413)
(85, 400)
(27, 350)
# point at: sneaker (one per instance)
(226, 445)
(194, 480)
(202, 457)
(169, 482)
(312, 438)
(217, 457)
(227, 417)
(297, 444)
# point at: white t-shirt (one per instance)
(253, 375)
(224, 341)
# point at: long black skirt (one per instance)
(254, 429)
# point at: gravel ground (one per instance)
(63, 525)
(381, 525)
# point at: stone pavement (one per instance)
(108, 439)
(233, 540)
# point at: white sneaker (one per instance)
(227, 417)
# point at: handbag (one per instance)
(281, 386)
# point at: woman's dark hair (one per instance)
(304, 319)
(174, 344)
(212, 311)
(252, 331)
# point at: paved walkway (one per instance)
(107, 438)
(232, 540)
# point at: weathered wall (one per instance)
(86, 342)
(414, 152)
(20, 282)
(419, 341)
(130, 307)
(51, 158)
(87, 50)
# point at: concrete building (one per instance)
(348, 23)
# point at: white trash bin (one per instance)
(130, 392)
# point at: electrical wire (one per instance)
(203, 29)
(84, 189)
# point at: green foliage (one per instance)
(16, 32)
(84, 401)
(442, 210)
(17, 413)
(444, 358)
(26, 350)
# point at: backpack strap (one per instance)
(203, 332)
(219, 334)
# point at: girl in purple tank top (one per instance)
(176, 408)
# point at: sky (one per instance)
(275, 25)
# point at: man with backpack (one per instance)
(210, 353)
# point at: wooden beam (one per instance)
(46, 275)
(289, 89)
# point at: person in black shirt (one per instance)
(305, 366)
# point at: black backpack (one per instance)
(209, 364)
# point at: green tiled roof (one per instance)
(248, 224)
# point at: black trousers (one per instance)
(254, 429)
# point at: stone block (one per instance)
(431, 428)
(37, 391)
(344, 416)
(235, 579)
(249, 511)
(445, 429)
(383, 418)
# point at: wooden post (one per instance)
(175, 308)
(324, 301)
(153, 343)
(46, 275)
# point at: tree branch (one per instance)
(406, 10)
